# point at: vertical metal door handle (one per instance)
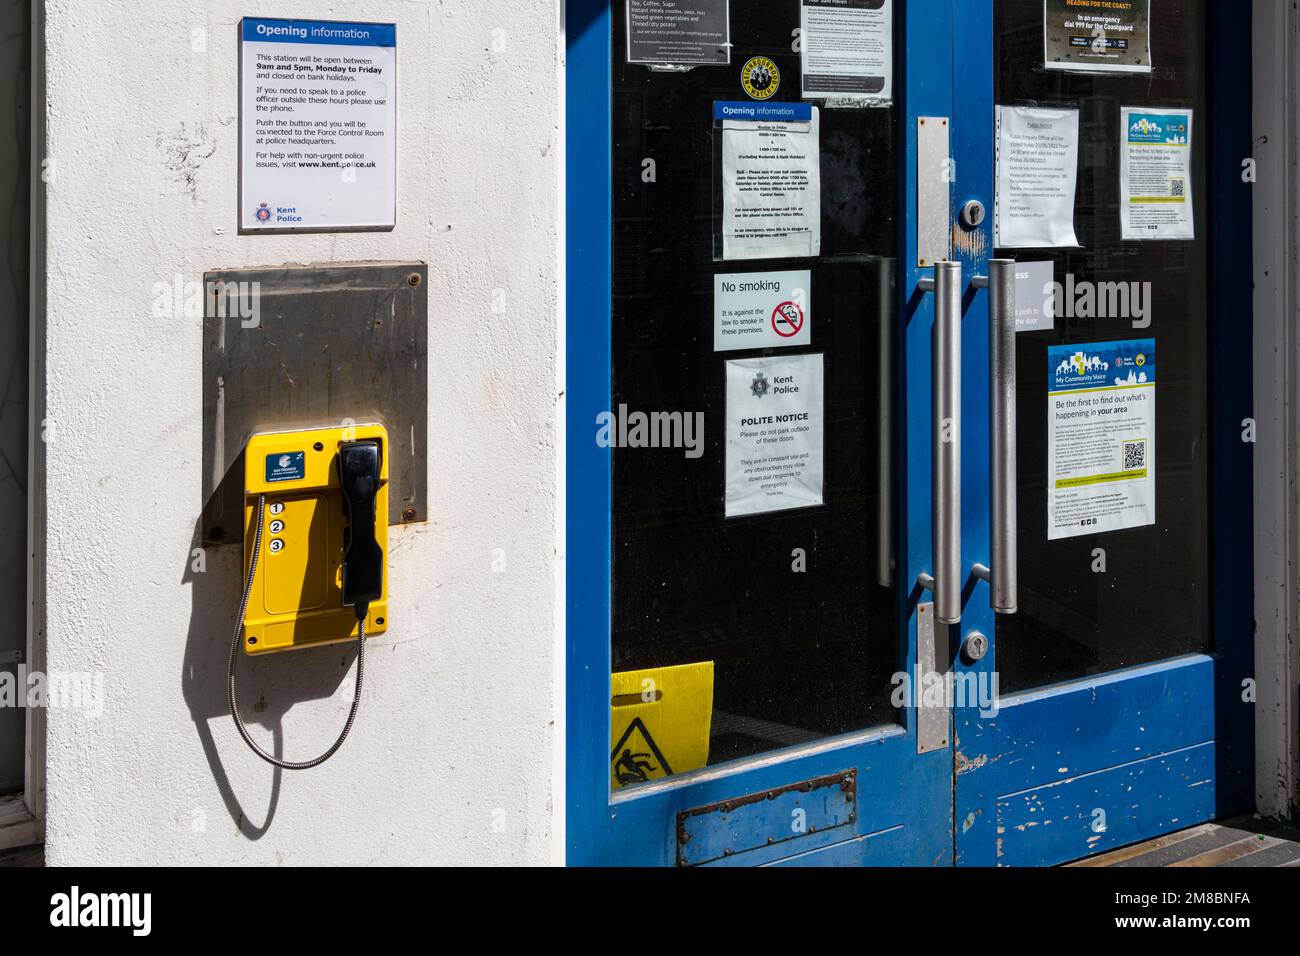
(885, 427)
(946, 385)
(1003, 576)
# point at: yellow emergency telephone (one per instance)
(315, 551)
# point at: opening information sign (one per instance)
(318, 125)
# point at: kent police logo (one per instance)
(761, 78)
(263, 213)
(761, 385)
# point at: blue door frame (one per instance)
(915, 809)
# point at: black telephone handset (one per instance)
(363, 560)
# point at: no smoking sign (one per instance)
(762, 310)
(787, 320)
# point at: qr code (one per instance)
(1178, 188)
(1135, 455)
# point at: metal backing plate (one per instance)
(299, 347)
(932, 722)
(933, 191)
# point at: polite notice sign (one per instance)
(1101, 429)
(672, 33)
(318, 125)
(761, 310)
(775, 434)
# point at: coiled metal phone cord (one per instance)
(234, 655)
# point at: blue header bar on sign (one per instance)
(259, 30)
(770, 112)
(1101, 365)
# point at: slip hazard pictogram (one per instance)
(636, 757)
(787, 320)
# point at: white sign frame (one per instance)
(261, 208)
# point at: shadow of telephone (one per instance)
(315, 552)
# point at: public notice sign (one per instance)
(1037, 172)
(318, 125)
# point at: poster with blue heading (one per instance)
(1101, 429)
(1155, 174)
(318, 126)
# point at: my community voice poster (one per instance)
(771, 180)
(318, 125)
(1101, 426)
(1155, 175)
(1097, 36)
(775, 434)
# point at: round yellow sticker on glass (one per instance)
(761, 78)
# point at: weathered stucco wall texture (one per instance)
(453, 756)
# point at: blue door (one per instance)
(820, 606)
(1125, 673)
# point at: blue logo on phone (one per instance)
(291, 466)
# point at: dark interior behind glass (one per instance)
(799, 657)
(1152, 602)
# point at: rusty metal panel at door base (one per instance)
(726, 829)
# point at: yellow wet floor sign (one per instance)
(659, 722)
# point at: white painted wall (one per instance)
(454, 755)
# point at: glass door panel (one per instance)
(788, 604)
(1094, 602)
(1121, 712)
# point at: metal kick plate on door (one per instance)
(765, 819)
(933, 191)
(327, 343)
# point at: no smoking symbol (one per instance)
(787, 320)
